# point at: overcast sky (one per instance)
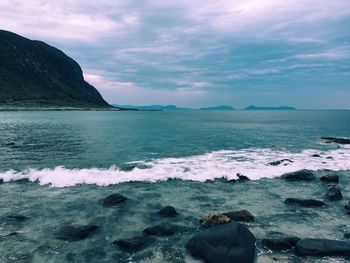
(199, 53)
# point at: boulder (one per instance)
(134, 244)
(76, 232)
(114, 199)
(280, 243)
(334, 194)
(283, 161)
(225, 243)
(304, 202)
(242, 178)
(322, 247)
(160, 230)
(331, 178)
(167, 211)
(242, 215)
(316, 155)
(336, 140)
(213, 219)
(301, 175)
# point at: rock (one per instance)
(331, 178)
(134, 244)
(242, 215)
(76, 232)
(347, 207)
(316, 155)
(334, 194)
(347, 235)
(280, 243)
(17, 217)
(213, 219)
(114, 199)
(167, 211)
(304, 202)
(322, 247)
(284, 161)
(224, 244)
(336, 140)
(302, 175)
(19, 258)
(160, 230)
(242, 178)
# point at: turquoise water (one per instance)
(74, 159)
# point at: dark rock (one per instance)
(160, 230)
(17, 217)
(167, 211)
(224, 244)
(302, 175)
(316, 155)
(304, 202)
(280, 243)
(242, 178)
(331, 178)
(347, 235)
(213, 219)
(334, 194)
(336, 140)
(134, 244)
(242, 215)
(76, 232)
(329, 158)
(322, 247)
(284, 161)
(347, 207)
(114, 199)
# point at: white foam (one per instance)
(253, 163)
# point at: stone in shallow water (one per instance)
(280, 243)
(213, 219)
(167, 211)
(304, 202)
(302, 175)
(114, 199)
(160, 230)
(224, 244)
(76, 232)
(322, 247)
(334, 194)
(242, 215)
(330, 178)
(134, 244)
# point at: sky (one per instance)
(199, 53)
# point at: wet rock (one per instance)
(316, 155)
(304, 202)
(114, 199)
(331, 178)
(160, 230)
(301, 175)
(280, 243)
(76, 232)
(213, 219)
(226, 243)
(336, 140)
(167, 211)
(322, 247)
(242, 215)
(134, 244)
(283, 161)
(347, 235)
(334, 194)
(17, 217)
(242, 178)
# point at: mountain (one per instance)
(252, 107)
(34, 74)
(221, 107)
(151, 107)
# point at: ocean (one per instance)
(57, 166)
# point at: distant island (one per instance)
(36, 75)
(151, 107)
(252, 107)
(221, 107)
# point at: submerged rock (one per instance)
(322, 247)
(334, 194)
(302, 175)
(304, 202)
(336, 140)
(160, 230)
(331, 178)
(224, 244)
(242, 215)
(76, 232)
(280, 243)
(284, 161)
(167, 211)
(114, 199)
(347, 235)
(213, 219)
(134, 244)
(17, 217)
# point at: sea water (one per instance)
(57, 166)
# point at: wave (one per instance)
(253, 163)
